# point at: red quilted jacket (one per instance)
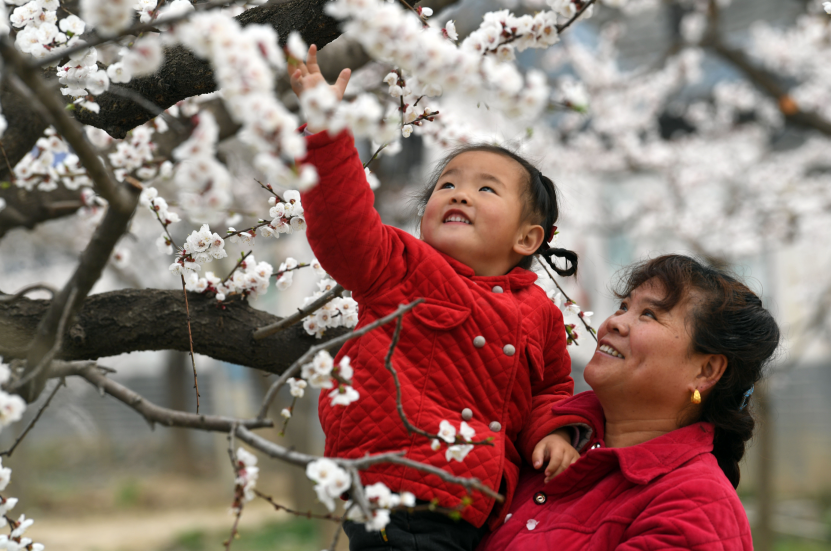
(667, 493)
(509, 381)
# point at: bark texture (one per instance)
(131, 320)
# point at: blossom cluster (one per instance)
(244, 61)
(134, 155)
(249, 278)
(50, 162)
(382, 501)
(323, 373)
(247, 474)
(151, 199)
(201, 247)
(331, 481)
(203, 182)
(458, 449)
(12, 407)
(41, 33)
(436, 65)
(286, 217)
(338, 312)
(568, 306)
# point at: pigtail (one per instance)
(548, 198)
(569, 256)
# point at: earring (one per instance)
(696, 397)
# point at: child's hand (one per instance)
(307, 76)
(556, 449)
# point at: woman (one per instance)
(666, 422)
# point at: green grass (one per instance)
(794, 544)
(296, 535)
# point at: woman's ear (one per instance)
(712, 369)
(529, 240)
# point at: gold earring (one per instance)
(696, 397)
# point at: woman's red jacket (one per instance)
(509, 382)
(667, 493)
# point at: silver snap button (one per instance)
(479, 341)
(467, 415)
(495, 426)
(498, 289)
(509, 350)
(597, 445)
(540, 498)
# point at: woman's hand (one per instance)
(556, 450)
(307, 76)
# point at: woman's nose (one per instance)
(618, 323)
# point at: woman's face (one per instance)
(643, 365)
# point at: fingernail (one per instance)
(536, 464)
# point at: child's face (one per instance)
(475, 213)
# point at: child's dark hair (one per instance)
(541, 204)
(727, 318)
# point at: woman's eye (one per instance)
(650, 314)
(447, 185)
(623, 307)
(487, 188)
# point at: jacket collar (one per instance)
(516, 279)
(644, 462)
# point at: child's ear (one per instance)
(529, 239)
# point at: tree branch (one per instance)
(769, 84)
(150, 411)
(129, 320)
(301, 313)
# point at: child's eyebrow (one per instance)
(479, 175)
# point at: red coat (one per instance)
(667, 493)
(509, 382)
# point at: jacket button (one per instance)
(509, 350)
(479, 341)
(495, 426)
(497, 289)
(540, 498)
(597, 445)
(467, 415)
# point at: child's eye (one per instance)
(487, 188)
(447, 185)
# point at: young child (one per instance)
(487, 347)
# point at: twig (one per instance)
(399, 404)
(20, 438)
(29, 289)
(190, 339)
(307, 514)
(239, 501)
(305, 358)
(301, 313)
(281, 272)
(567, 24)
(56, 346)
(589, 328)
(339, 529)
(415, 11)
(134, 30)
(8, 164)
(357, 493)
(269, 189)
(95, 375)
(374, 155)
(239, 263)
(251, 229)
(301, 459)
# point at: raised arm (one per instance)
(344, 229)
